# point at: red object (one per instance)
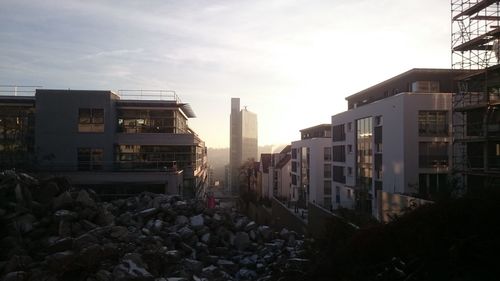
(211, 202)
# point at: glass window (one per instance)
(327, 171)
(327, 154)
(433, 154)
(327, 187)
(433, 123)
(90, 159)
(90, 120)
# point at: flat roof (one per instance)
(406, 74)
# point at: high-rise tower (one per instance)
(243, 141)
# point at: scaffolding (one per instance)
(475, 33)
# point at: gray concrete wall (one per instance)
(56, 130)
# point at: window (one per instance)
(349, 193)
(349, 171)
(90, 159)
(294, 180)
(349, 148)
(327, 171)
(327, 188)
(294, 153)
(337, 194)
(339, 153)
(338, 133)
(433, 154)
(150, 121)
(338, 174)
(349, 126)
(327, 154)
(432, 123)
(378, 120)
(90, 120)
(294, 166)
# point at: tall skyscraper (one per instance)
(243, 141)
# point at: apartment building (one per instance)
(394, 138)
(275, 169)
(121, 142)
(311, 176)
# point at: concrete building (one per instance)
(275, 169)
(243, 142)
(121, 143)
(311, 176)
(395, 138)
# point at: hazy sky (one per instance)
(290, 61)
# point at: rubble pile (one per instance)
(50, 232)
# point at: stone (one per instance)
(217, 217)
(252, 235)
(205, 238)
(148, 213)
(65, 215)
(128, 270)
(63, 201)
(103, 275)
(192, 265)
(61, 261)
(173, 256)
(284, 234)
(241, 241)
(227, 265)
(197, 221)
(64, 229)
(83, 198)
(15, 276)
(181, 220)
(185, 233)
(118, 231)
(17, 263)
(91, 256)
(265, 232)
(61, 245)
(250, 226)
(246, 274)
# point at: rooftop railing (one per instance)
(18, 90)
(167, 95)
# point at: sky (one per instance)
(292, 62)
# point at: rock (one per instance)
(65, 215)
(91, 256)
(103, 275)
(185, 233)
(148, 213)
(250, 226)
(16, 276)
(63, 201)
(246, 274)
(181, 220)
(205, 238)
(173, 256)
(265, 232)
(61, 245)
(217, 217)
(128, 270)
(241, 241)
(24, 223)
(284, 234)
(61, 261)
(17, 263)
(118, 232)
(197, 221)
(227, 265)
(192, 265)
(84, 199)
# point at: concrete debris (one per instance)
(68, 234)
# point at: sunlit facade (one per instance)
(395, 138)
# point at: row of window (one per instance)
(91, 120)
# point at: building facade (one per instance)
(102, 138)
(311, 177)
(243, 143)
(395, 138)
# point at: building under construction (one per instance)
(476, 106)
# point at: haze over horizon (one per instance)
(290, 62)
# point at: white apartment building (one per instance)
(311, 167)
(394, 138)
